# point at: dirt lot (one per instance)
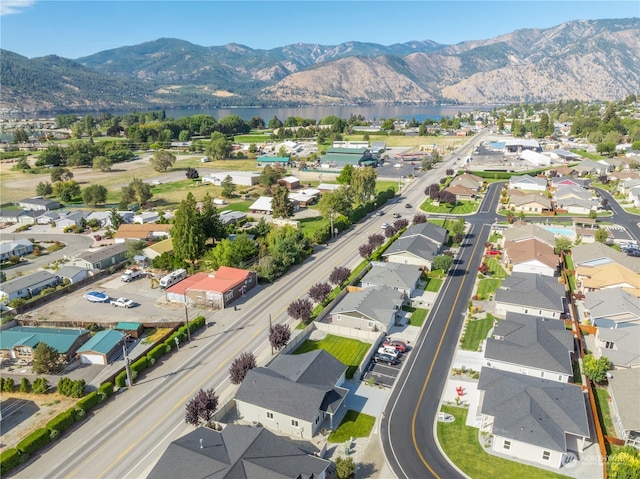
(22, 413)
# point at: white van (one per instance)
(173, 278)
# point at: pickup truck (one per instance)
(122, 303)
(130, 275)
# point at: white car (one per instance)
(391, 351)
(385, 226)
(397, 165)
(122, 303)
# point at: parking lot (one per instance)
(382, 373)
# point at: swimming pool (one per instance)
(560, 231)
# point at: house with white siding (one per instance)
(531, 294)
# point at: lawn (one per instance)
(418, 316)
(460, 208)
(604, 414)
(495, 268)
(349, 351)
(475, 332)
(487, 286)
(433, 285)
(354, 424)
(460, 443)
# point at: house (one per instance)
(305, 197)
(531, 256)
(633, 196)
(10, 216)
(619, 344)
(530, 203)
(401, 277)
(214, 290)
(27, 286)
(624, 405)
(607, 308)
(156, 249)
(528, 183)
(102, 258)
(30, 217)
(296, 395)
(20, 341)
(263, 205)
(525, 231)
(229, 217)
(370, 309)
(11, 248)
(39, 203)
(575, 200)
(72, 274)
(537, 347)
(532, 419)
(142, 232)
(418, 245)
(462, 193)
(291, 182)
(591, 168)
(595, 254)
(242, 452)
(531, 294)
(70, 219)
(47, 217)
(328, 187)
(104, 217)
(468, 180)
(102, 348)
(608, 275)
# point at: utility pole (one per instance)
(270, 334)
(127, 366)
(186, 315)
(331, 232)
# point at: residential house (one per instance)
(30, 217)
(291, 182)
(244, 452)
(575, 200)
(263, 205)
(591, 168)
(533, 419)
(537, 347)
(27, 286)
(369, 309)
(530, 203)
(418, 245)
(296, 394)
(70, 219)
(104, 217)
(528, 183)
(39, 203)
(531, 256)
(230, 217)
(11, 248)
(156, 249)
(531, 294)
(19, 342)
(596, 254)
(328, 187)
(142, 232)
(625, 185)
(102, 348)
(102, 258)
(305, 197)
(213, 290)
(633, 196)
(625, 407)
(607, 308)
(72, 274)
(462, 193)
(620, 344)
(607, 275)
(47, 217)
(468, 180)
(525, 231)
(401, 277)
(10, 216)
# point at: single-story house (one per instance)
(462, 193)
(214, 290)
(28, 285)
(624, 405)
(244, 452)
(596, 254)
(592, 168)
(70, 219)
(536, 347)
(73, 273)
(531, 294)
(418, 245)
(156, 249)
(531, 203)
(370, 309)
(533, 419)
(39, 203)
(20, 341)
(328, 187)
(102, 258)
(620, 345)
(104, 217)
(608, 275)
(528, 183)
(296, 394)
(134, 330)
(102, 348)
(142, 232)
(468, 180)
(263, 205)
(531, 256)
(19, 247)
(10, 216)
(229, 217)
(48, 217)
(526, 231)
(291, 182)
(607, 308)
(30, 217)
(305, 197)
(401, 277)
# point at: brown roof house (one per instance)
(608, 275)
(462, 193)
(142, 232)
(531, 203)
(531, 256)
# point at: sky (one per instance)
(77, 28)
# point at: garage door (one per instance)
(88, 358)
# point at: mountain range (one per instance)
(583, 60)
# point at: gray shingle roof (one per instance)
(396, 275)
(533, 410)
(532, 342)
(415, 245)
(104, 253)
(593, 254)
(237, 452)
(434, 233)
(27, 281)
(377, 303)
(614, 304)
(624, 387)
(532, 290)
(626, 340)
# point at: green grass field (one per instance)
(604, 413)
(418, 317)
(349, 351)
(354, 424)
(475, 332)
(495, 268)
(460, 444)
(488, 286)
(434, 285)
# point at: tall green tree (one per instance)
(231, 253)
(187, 234)
(219, 147)
(212, 226)
(280, 205)
(344, 178)
(20, 136)
(94, 195)
(339, 201)
(363, 183)
(61, 174)
(115, 219)
(162, 160)
(46, 359)
(44, 189)
(102, 163)
(66, 190)
(228, 187)
(136, 192)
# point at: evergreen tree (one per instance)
(187, 234)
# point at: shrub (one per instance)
(54, 434)
(88, 402)
(70, 388)
(106, 388)
(40, 386)
(121, 379)
(80, 414)
(139, 365)
(34, 441)
(8, 385)
(197, 323)
(156, 352)
(9, 459)
(25, 385)
(62, 421)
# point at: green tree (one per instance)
(624, 463)
(363, 183)
(94, 195)
(61, 174)
(20, 136)
(187, 234)
(344, 178)
(44, 189)
(102, 163)
(162, 160)
(562, 243)
(231, 253)
(212, 226)
(46, 359)
(595, 369)
(228, 187)
(442, 262)
(345, 467)
(269, 176)
(280, 205)
(136, 192)
(602, 235)
(219, 147)
(115, 219)
(274, 123)
(287, 246)
(458, 229)
(339, 201)
(66, 190)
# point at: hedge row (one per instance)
(88, 402)
(62, 421)
(106, 389)
(34, 441)
(10, 458)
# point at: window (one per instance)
(269, 415)
(294, 423)
(506, 445)
(541, 374)
(370, 324)
(546, 455)
(609, 344)
(338, 318)
(526, 311)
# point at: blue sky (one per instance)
(77, 28)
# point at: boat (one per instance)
(97, 297)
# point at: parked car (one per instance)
(385, 226)
(399, 346)
(385, 358)
(408, 205)
(379, 213)
(391, 351)
(122, 303)
(397, 215)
